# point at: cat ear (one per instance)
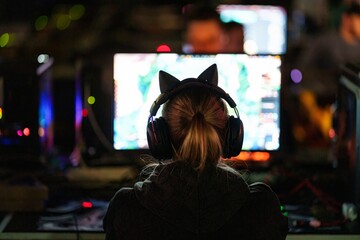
(210, 75)
(167, 81)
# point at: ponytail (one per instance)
(196, 124)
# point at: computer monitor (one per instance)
(347, 128)
(253, 81)
(265, 26)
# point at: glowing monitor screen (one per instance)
(264, 26)
(253, 81)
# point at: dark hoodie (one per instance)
(178, 202)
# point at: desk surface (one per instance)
(10, 223)
(101, 236)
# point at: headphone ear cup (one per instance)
(159, 139)
(234, 137)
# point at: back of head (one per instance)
(235, 37)
(195, 125)
(203, 29)
(350, 24)
(197, 120)
(352, 8)
(200, 13)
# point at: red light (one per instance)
(332, 133)
(85, 113)
(87, 204)
(163, 48)
(26, 131)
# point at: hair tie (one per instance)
(198, 115)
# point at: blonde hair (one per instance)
(197, 120)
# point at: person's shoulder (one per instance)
(124, 191)
(124, 202)
(264, 211)
(262, 194)
(260, 187)
(124, 194)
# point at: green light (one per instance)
(41, 22)
(76, 12)
(4, 39)
(91, 100)
(63, 22)
(1, 115)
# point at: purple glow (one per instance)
(296, 75)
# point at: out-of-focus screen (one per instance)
(348, 128)
(253, 81)
(264, 26)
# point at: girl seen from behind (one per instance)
(190, 193)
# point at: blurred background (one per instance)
(53, 51)
(74, 33)
(66, 29)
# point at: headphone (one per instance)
(158, 135)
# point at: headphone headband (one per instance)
(189, 83)
(158, 134)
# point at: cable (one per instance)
(76, 227)
(5, 221)
(94, 123)
(321, 195)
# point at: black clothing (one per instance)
(177, 202)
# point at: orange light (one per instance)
(252, 156)
(41, 132)
(163, 48)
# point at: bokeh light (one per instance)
(4, 39)
(41, 22)
(76, 11)
(91, 100)
(163, 48)
(87, 204)
(26, 131)
(43, 58)
(296, 75)
(84, 112)
(332, 133)
(63, 21)
(41, 132)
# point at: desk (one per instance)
(101, 236)
(24, 227)
(25, 223)
(28, 232)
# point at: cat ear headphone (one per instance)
(158, 135)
